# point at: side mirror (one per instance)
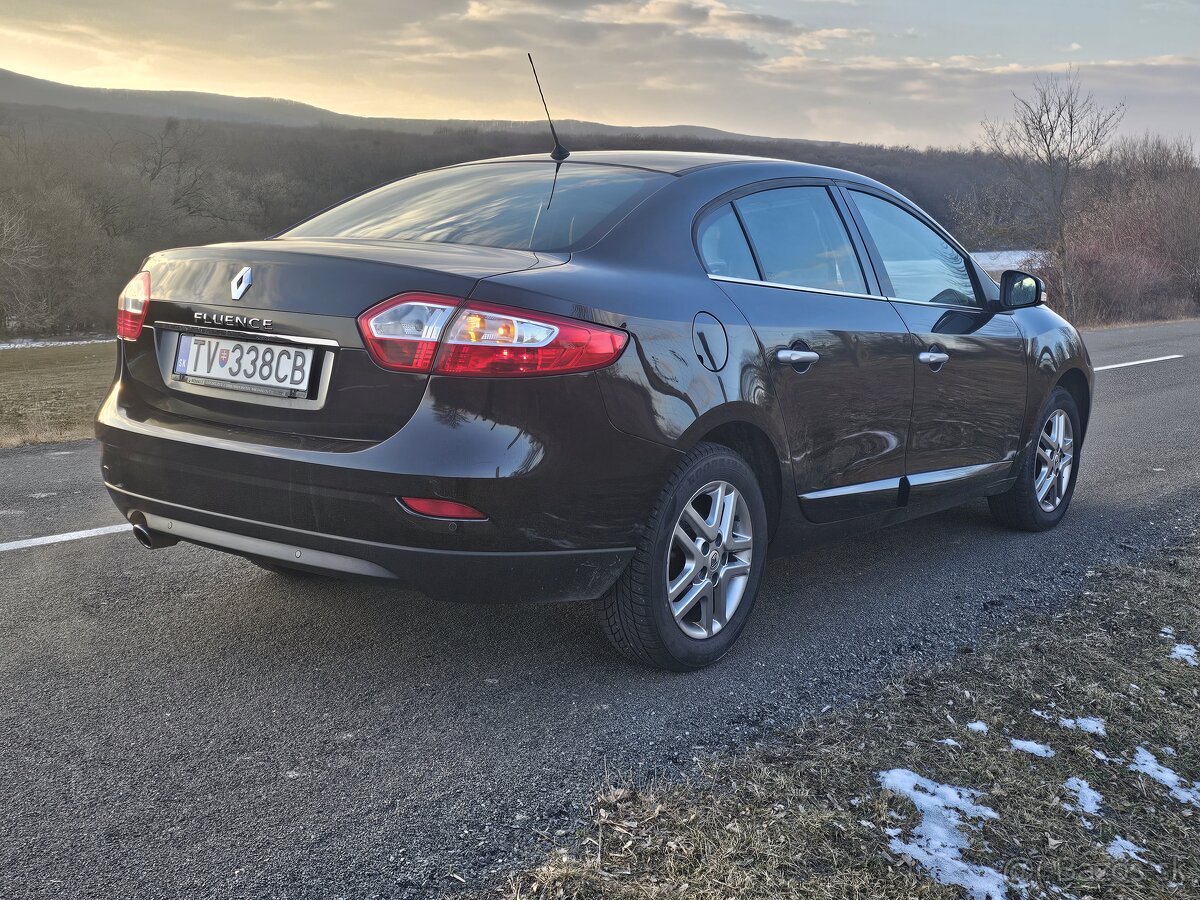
(1019, 289)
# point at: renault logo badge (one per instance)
(240, 284)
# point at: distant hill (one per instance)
(28, 91)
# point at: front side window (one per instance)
(800, 239)
(521, 206)
(920, 263)
(723, 247)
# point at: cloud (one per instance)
(799, 69)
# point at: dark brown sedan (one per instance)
(626, 376)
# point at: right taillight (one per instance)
(430, 333)
(132, 306)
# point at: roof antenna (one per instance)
(559, 153)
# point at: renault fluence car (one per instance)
(625, 378)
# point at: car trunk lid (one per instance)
(304, 294)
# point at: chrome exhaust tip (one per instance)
(143, 535)
(151, 540)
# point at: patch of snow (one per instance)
(1167, 632)
(1145, 762)
(1089, 724)
(1032, 747)
(938, 841)
(1120, 848)
(1186, 653)
(980, 727)
(25, 344)
(1169, 751)
(1105, 758)
(1087, 800)
(950, 742)
(1042, 715)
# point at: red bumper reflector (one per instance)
(441, 509)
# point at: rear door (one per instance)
(839, 354)
(970, 384)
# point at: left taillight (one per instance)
(429, 333)
(132, 306)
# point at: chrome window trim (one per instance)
(795, 287)
(975, 309)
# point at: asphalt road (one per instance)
(179, 722)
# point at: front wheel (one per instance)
(693, 578)
(1039, 498)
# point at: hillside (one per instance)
(28, 91)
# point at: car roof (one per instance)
(678, 162)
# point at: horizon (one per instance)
(807, 70)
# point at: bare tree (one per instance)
(1051, 139)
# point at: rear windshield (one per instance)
(521, 206)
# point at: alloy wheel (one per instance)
(1055, 458)
(708, 560)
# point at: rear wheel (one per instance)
(693, 579)
(1046, 481)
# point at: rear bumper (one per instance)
(566, 495)
(444, 574)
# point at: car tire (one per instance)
(709, 527)
(1022, 506)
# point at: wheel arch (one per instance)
(753, 443)
(1075, 383)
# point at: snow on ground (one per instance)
(1186, 653)
(1120, 848)
(25, 344)
(1031, 747)
(950, 742)
(1085, 723)
(980, 727)
(938, 841)
(1147, 763)
(1087, 800)
(1105, 758)
(1167, 632)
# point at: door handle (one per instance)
(797, 357)
(934, 358)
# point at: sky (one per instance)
(920, 72)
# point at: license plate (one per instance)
(274, 369)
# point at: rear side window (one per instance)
(922, 266)
(723, 247)
(800, 239)
(521, 206)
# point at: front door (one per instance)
(840, 357)
(970, 384)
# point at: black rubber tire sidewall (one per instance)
(1018, 507)
(687, 653)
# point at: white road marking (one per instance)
(60, 538)
(1139, 362)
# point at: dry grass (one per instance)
(807, 817)
(52, 393)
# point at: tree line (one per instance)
(84, 197)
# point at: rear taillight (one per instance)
(132, 306)
(427, 333)
(402, 334)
